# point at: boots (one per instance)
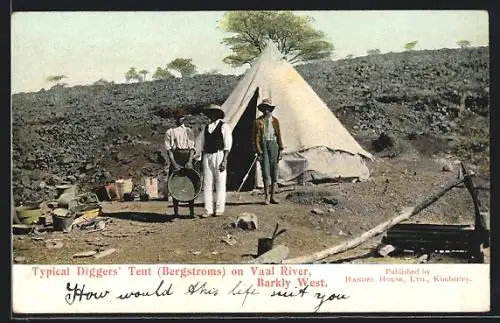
(273, 200)
(266, 194)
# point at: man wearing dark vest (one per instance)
(215, 143)
(268, 146)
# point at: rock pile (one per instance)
(95, 134)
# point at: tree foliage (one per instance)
(161, 74)
(184, 66)
(56, 78)
(102, 81)
(132, 74)
(375, 51)
(411, 45)
(294, 36)
(58, 86)
(143, 74)
(463, 43)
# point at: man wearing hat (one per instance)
(268, 146)
(215, 143)
(179, 142)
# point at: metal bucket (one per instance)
(123, 186)
(63, 223)
(184, 185)
(264, 245)
(28, 215)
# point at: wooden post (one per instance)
(404, 215)
(479, 227)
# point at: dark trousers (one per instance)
(269, 163)
(181, 157)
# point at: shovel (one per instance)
(246, 176)
(266, 244)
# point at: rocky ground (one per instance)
(315, 217)
(418, 112)
(436, 101)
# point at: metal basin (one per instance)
(185, 184)
(28, 215)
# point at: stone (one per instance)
(229, 239)
(25, 180)
(247, 221)
(67, 160)
(423, 259)
(105, 253)
(84, 254)
(274, 256)
(386, 250)
(317, 211)
(330, 200)
(444, 164)
(19, 259)
(53, 244)
(71, 178)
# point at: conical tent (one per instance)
(316, 145)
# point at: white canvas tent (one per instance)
(317, 145)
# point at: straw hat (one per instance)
(216, 109)
(266, 104)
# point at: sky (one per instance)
(88, 46)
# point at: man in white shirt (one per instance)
(179, 142)
(215, 144)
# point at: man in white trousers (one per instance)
(215, 144)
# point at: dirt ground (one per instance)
(146, 232)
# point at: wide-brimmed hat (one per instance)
(266, 104)
(214, 108)
(179, 113)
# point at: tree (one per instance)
(56, 78)
(293, 35)
(102, 81)
(463, 43)
(132, 75)
(411, 45)
(373, 51)
(59, 86)
(161, 74)
(143, 73)
(183, 66)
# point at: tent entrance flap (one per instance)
(242, 153)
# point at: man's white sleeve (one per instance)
(199, 144)
(168, 140)
(228, 136)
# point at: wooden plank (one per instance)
(431, 227)
(431, 233)
(274, 256)
(436, 236)
(405, 214)
(396, 242)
